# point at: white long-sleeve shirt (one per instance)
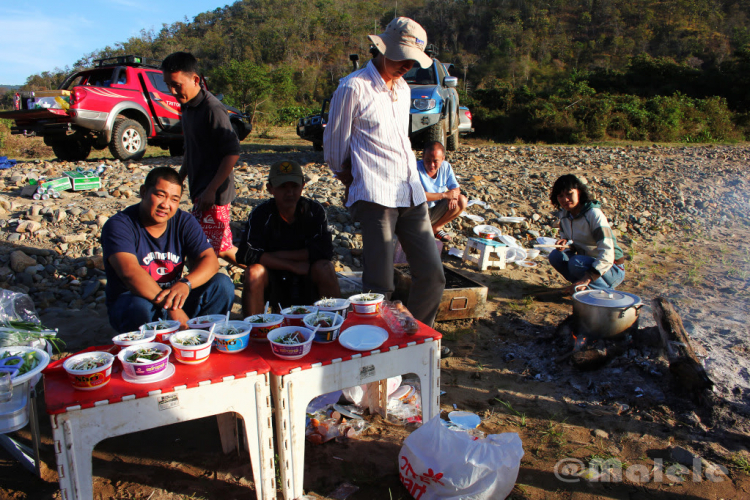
(369, 124)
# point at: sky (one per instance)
(40, 35)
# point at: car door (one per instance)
(164, 105)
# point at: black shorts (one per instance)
(290, 289)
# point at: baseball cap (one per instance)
(403, 39)
(285, 171)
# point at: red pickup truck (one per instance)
(122, 103)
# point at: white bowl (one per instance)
(145, 337)
(532, 253)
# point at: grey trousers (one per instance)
(412, 226)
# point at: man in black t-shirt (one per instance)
(211, 151)
(287, 245)
(145, 249)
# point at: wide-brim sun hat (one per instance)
(403, 39)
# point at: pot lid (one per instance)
(606, 298)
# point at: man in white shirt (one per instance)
(444, 197)
(366, 144)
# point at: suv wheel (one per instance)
(128, 140)
(437, 132)
(72, 150)
(452, 142)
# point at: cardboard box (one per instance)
(84, 180)
(61, 184)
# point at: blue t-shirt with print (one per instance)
(444, 181)
(162, 258)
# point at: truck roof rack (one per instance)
(129, 60)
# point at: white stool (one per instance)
(491, 253)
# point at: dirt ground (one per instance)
(507, 368)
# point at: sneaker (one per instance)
(445, 352)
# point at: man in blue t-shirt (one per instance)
(444, 198)
(145, 248)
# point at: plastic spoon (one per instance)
(226, 321)
(265, 309)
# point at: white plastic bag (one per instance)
(438, 463)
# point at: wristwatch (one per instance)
(187, 282)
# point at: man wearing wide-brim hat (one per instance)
(366, 144)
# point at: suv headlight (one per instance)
(423, 104)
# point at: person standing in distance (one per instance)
(211, 151)
(366, 145)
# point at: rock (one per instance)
(15, 237)
(28, 227)
(72, 238)
(75, 211)
(59, 215)
(599, 433)
(101, 220)
(28, 191)
(19, 261)
(96, 262)
(90, 288)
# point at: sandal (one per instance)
(443, 236)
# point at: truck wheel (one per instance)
(437, 133)
(72, 150)
(128, 140)
(237, 131)
(176, 148)
(317, 146)
(452, 142)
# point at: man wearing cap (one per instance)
(287, 246)
(366, 144)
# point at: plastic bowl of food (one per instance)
(291, 342)
(367, 304)
(340, 306)
(163, 329)
(232, 337)
(262, 324)
(144, 360)
(205, 322)
(293, 315)
(191, 346)
(532, 253)
(134, 338)
(89, 371)
(328, 323)
(487, 232)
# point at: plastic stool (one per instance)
(489, 256)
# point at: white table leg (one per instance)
(77, 432)
(293, 392)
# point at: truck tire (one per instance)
(452, 141)
(237, 132)
(317, 146)
(128, 140)
(437, 132)
(177, 148)
(72, 150)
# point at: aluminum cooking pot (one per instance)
(604, 313)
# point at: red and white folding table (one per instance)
(331, 367)
(225, 383)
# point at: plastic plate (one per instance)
(42, 356)
(363, 337)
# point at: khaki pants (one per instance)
(412, 226)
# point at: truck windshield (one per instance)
(96, 78)
(421, 76)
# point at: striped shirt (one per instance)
(369, 124)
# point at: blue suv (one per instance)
(434, 105)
